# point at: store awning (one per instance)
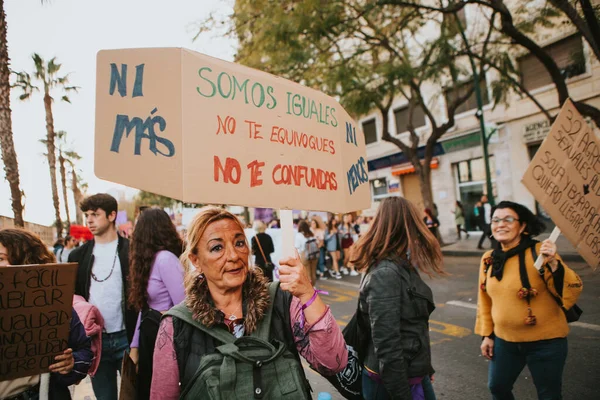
(408, 168)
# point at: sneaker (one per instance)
(344, 270)
(336, 275)
(354, 273)
(323, 278)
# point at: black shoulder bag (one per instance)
(572, 313)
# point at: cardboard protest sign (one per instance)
(564, 177)
(202, 130)
(35, 316)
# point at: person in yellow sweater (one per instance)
(520, 310)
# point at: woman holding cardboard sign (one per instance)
(519, 309)
(236, 334)
(20, 247)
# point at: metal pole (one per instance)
(479, 114)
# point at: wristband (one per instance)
(308, 304)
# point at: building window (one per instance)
(474, 170)
(568, 56)
(471, 186)
(401, 116)
(471, 102)
(370, 130)
(379, 188)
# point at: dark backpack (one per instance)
(247, 367)
(312, 249)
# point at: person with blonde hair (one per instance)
(395, 303)
(262, 247)
(227, 300)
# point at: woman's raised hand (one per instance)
(293, 278)
(548, 250)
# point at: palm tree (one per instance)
(62, 143)
(77, 185)
(9, 156)
(47, 74)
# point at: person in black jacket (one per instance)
(102, 281)
(21, 247)
(395, 303)
(266, 247)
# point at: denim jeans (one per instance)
(105, 380)
(545, 359)
(371, 389)
(321, 263)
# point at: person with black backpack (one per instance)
(237, 336)
(308, 247)
(522, 311)
(156, 277)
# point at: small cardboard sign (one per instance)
(35, 314)
(564, 177)
(202, 130)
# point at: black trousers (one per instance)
(487, 233)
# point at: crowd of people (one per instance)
(206, 316)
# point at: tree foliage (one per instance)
(366, 55)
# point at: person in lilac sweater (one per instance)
(222, 290)
(156, 277)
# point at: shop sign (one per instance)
(536, 131)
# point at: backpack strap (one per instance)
(264, 327)
(182, 312)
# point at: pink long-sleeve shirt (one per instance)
(321, 344)
(165, 286)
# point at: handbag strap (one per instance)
(541, 271)
(260, 247)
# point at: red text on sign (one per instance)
(300, 175)
(253, 131)
(226, 125)
(231, 171)
(301, 139)
(255, 173)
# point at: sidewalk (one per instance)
(468, 247)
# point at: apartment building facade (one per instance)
(458, 169)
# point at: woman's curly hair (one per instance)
(153, 232)
(25, 247)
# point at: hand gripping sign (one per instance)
(202, 130)
(564, 177)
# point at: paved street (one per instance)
(461, 371)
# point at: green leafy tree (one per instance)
(144, 198)
(517, 24)
(47, 74)
(366, 55)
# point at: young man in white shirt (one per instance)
(102, 281)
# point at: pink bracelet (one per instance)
(308, 303)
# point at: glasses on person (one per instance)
(508, 220)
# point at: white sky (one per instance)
(74, 31)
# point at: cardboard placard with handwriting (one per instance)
(564, 177)
(195, 128)
(35, 314)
